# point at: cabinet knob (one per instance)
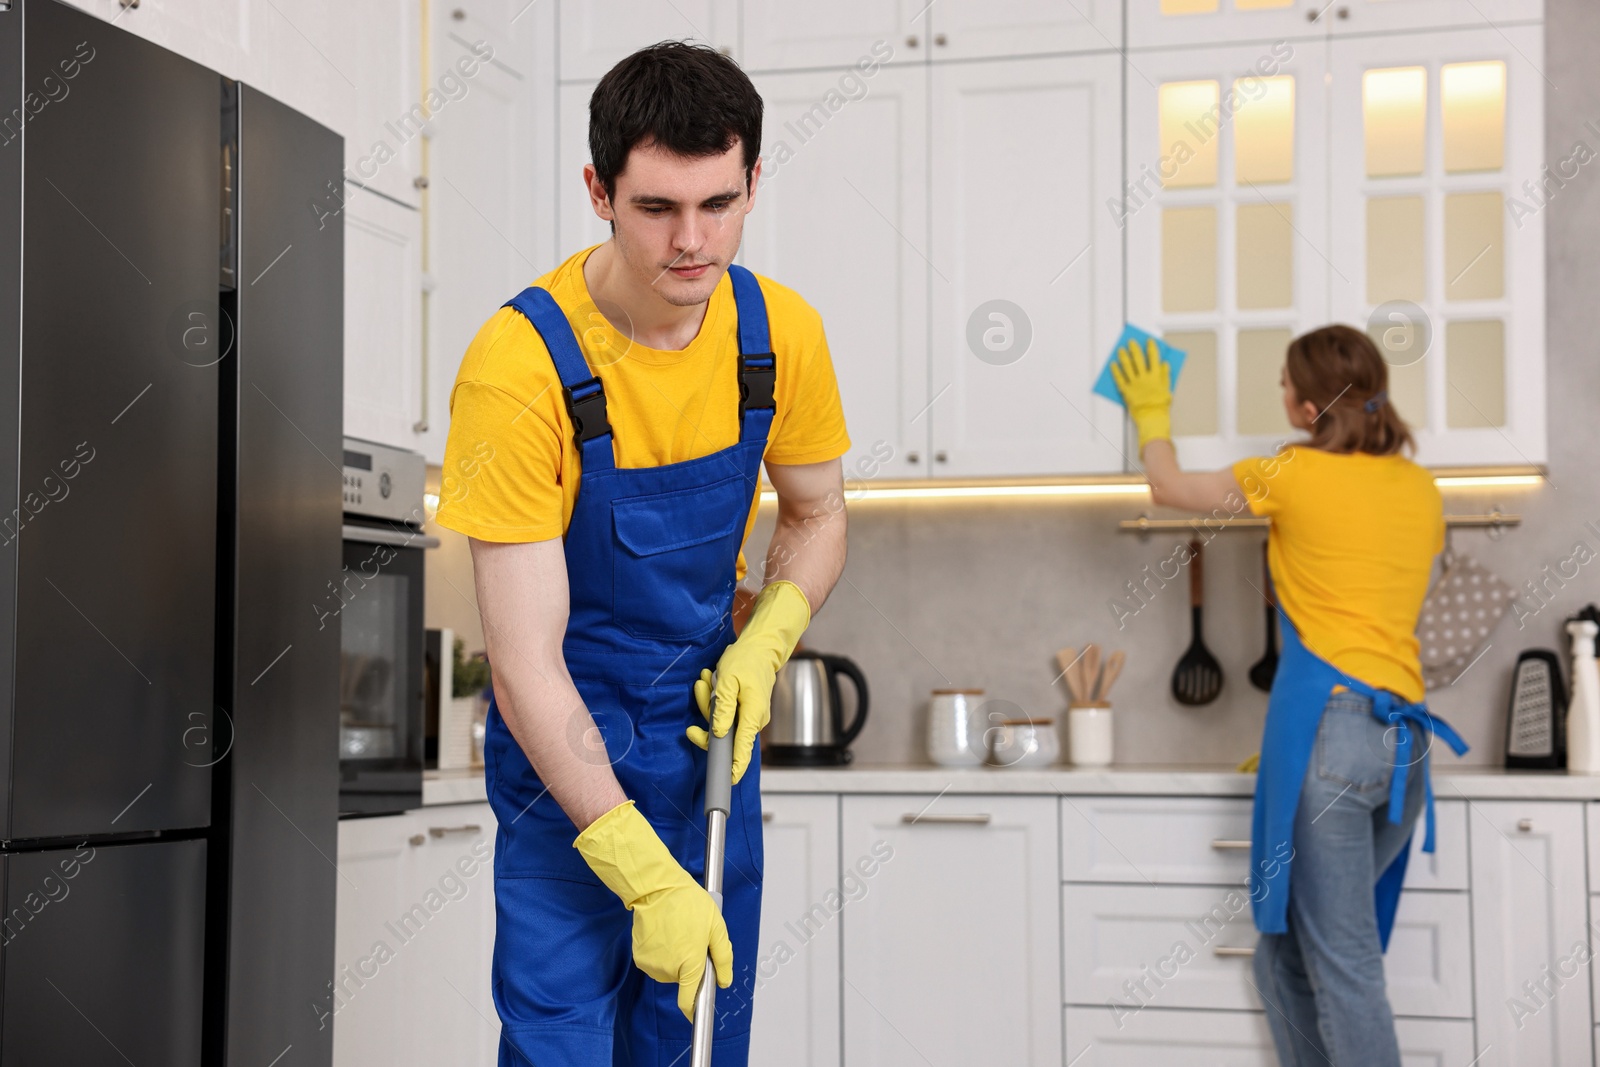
(941, 456)
(418, 839)
(1344, 12)
(911, 42)
(419, 182)
(766, 816)
(1313, 14)
(1525, 826)
(726, 50)
(459, 15)
(940, 39)
(913, 457)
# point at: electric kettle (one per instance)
(807, 726)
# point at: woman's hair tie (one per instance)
(1377, 401)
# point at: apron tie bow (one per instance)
(1405, 719)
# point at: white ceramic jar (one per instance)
(953, 726)
(1024, 743)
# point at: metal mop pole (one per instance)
(719, 790)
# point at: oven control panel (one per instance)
(383, 482)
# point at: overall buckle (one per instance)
(586, 406)
(758, 381)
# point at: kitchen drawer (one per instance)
(1191, 946)
(1096, 1037)
(1205, 841)
(1177, 840)
(1593, 823)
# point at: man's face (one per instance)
(679, 219)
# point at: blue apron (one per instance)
(651, 554)
(1294, 712)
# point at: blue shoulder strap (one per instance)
(585, 395)
(758, 374)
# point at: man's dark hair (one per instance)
(687, 98)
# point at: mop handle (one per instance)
(719, 791)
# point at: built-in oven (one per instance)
(379, 603)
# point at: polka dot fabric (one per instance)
(1457, 617)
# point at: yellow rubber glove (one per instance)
(749, 667)
(1146, 386)
(1250, 764)
(675, 921)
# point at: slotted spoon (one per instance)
(1197, 679)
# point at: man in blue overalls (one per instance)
(608, 428)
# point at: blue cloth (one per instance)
(1106, 386)
(1323, 980)
(1294, 711)
(650, 556)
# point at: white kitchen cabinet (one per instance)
(596, 36)
(489, 228)
(1226, 220)
(1198, 23)
(954, 950)
(452, 1011)
(413, 939)
(1100, 1037)
(1025, 274)
(1439, 130)
(1378, 16)
(1198, 941)
(841, 218)
(371, 60)
(832, 34)
(213, 33)
(577, 225)
(796, 1022)
(1529, 919)
(981, 29)
(375, 980)
(382, 318)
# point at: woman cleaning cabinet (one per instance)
(1345, 752)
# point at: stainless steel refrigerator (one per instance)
(171, 366)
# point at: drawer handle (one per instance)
(766, 816)
(911, 818)
(440, 831)
(1229, 950)
(1525, 826)
(417, 839)
(1225, 843)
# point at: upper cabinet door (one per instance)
(595, 36)
(840, 216)
(1369, 16)
(381, 59)
(834, 33)
(577, 226)
(980, 29)
(1200, 22)
(382, 319)
(1026, 265)
(1438, 248)
(1226, 216)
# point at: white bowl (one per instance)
(1024, 743)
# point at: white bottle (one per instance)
(1583, 713)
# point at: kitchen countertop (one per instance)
(1471, 782)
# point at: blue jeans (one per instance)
(1323, 981)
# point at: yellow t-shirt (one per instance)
(1351, 547)
(511, 467)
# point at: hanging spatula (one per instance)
(1198, 677)
(1266, 668)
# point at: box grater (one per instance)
(1536, 736)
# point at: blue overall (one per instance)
(651, 555)
(1294, 711)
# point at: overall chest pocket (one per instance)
(673, 567)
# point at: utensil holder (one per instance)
(1089, 734)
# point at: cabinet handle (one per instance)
(940, 40)
(766, 816)
(1313, 14)
(911, 42)
(418, 839)
(913, 457)
(911, 818)
(1344, 12)
(941, 456)
(1229, 950)
(1525, 826)
(1225, 843)
(469, 828)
